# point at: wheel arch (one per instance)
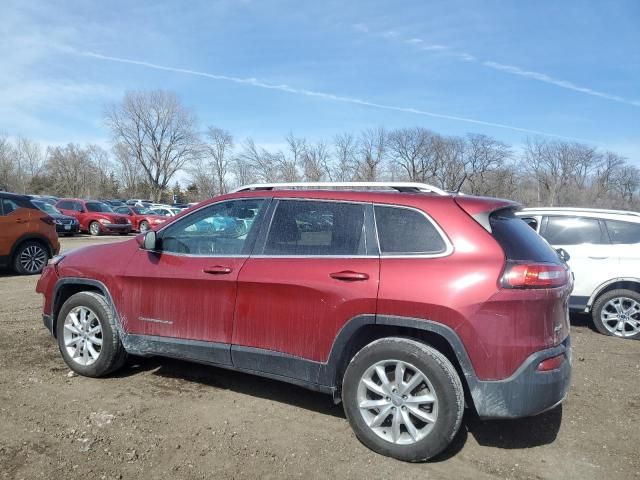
(627, 283)
(67, 287)
(365, 329)
(31, 237)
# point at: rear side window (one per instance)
(313, 228)
(404, 231)
(623, 232)
(573, 231)
(518, 240)
(65, 205)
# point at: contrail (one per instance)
(311, 93)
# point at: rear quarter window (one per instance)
(404, 231)
(518, 240)
(623, 232)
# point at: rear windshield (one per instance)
(518, 240)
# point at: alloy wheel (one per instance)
(621, 316)
(94, 228)
(83, 336)
(397, 402)
(33, 258)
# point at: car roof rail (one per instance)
(397, 186)
(581, 209)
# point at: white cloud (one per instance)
(311, 93)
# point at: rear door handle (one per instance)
(21, 220)
(349, 276)
(217, 270)
(598, 258)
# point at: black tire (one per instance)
(112, 354)
(600, 304)
(94, 229)
(144, 226)
(30, 258)
(446, 386)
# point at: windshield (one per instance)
(143, 211)
(46, 207)
(98, 207)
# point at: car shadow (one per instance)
(240, 382)
(506, 434)
(579, 319)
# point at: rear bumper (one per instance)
(72, 228)
(528, 391)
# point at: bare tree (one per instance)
(219, 147)
(483, 156)
(345, 147)
(8, 177)
(159, 132)
(409, 148)
(261, 161)
(373, 149)
(316, 162)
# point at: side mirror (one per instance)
(563, 254)
(149, 240)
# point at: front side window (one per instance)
(46, 207)
(404, 231)
(220, 229)
(573, 231)
(98, 207)
(316, 228)
(122, 210)
(65, 205)
(623, 232)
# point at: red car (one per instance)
(142, 219)
(94, 217)
(404, 304)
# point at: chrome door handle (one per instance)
(349, 276)
(217, 270)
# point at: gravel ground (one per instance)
(164, 418)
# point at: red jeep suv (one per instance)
(95, 217)
(401, 300)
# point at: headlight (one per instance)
(128, 221)
(157, 220)
(104, 221)
(58, 222)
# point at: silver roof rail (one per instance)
(580, 209)
(398, 186)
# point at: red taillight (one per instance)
(534, 275)
(552, 363)
(48, 220)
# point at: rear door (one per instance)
(592, 261)
(314, 270)
(625, 237)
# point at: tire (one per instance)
(94, 229)
(144, 226)
(30, 258)
(442, 382)
(611, 304)
(111, 355)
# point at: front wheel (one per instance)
(30, 258)
(403, 399)
(617, 313)
(87, 335)
(94, 229)
(144, 226)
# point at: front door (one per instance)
(14, 222)
(187, 288)
(313, 271)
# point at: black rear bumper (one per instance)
(528, 391)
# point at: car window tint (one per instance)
(9, 206)
(122, 210)
(623, 232)
(220, 229)
(404, 231)
(313, 228)
(573, 231)
(65, 205)
(518, 241)
(98, 207)
(532, 222)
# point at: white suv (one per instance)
(604, 251)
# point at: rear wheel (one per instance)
(30, 258)
(617, 313)
(87, 335)
(403, 399)
(94, 229)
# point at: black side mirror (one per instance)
(563, 254)
(149, 242)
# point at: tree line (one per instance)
(154, 138)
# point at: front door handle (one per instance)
(217, 270)
(21, 220)
(349, 276)
(598, 258)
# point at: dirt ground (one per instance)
(169, 419)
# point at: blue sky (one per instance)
(263, 68)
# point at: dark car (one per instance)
(406, 304)
(65, 224)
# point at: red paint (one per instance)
(296, 306)
(85, 217)
(154, 221)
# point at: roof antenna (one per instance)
(461, 182)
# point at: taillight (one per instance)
(48, 220)
(534, 275)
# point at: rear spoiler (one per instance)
(480, 208)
